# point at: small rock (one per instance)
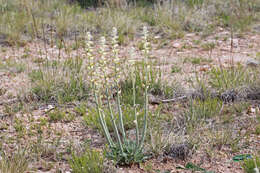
(176, 45)
(257, 28)
(229, 96)
(235, 42)
(120, 170)
(252, 63)
(190, 35)
(180, 151)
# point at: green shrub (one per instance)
(90, 162)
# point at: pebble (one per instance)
(176, 45)
(252, 63)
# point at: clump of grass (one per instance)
(230, 78)
(17, 163)
(48, 87)
(257, 129)
(81, 109)
(60, 115)
(2, 91)
(175, 69)
(197, 60)
(205, 108)
(201, 110)
(156, 87)
(13, 65)
(157, 139)
(91, 161)
(11, 110)
(251, 165)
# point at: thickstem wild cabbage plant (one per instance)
(121, 149)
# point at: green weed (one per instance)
(197, 60)
(249, 165)
(257, 129)
(175, 69)
(91, 161)
(60, 115)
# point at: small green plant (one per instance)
(197, 60)
(60, 115)
(175, 69)
(81, 109)
(18, 125)
(92, 161)
(251, 165)
(2, 91)
(221, 138)
(208, 46)
(257, 129)
(128, 155)
(205, 108)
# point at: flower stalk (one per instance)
(103, 81)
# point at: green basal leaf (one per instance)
(240, 157)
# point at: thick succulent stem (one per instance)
(145, 120)
(135, 114)
(114, 122)
(103, 123)
(120, 115)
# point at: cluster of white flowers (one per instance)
(104, 70)
(102, 63)
(146, 50)
(131, 63)
(99, 71)
(115, 59)
(146, 44)
(90, 56)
